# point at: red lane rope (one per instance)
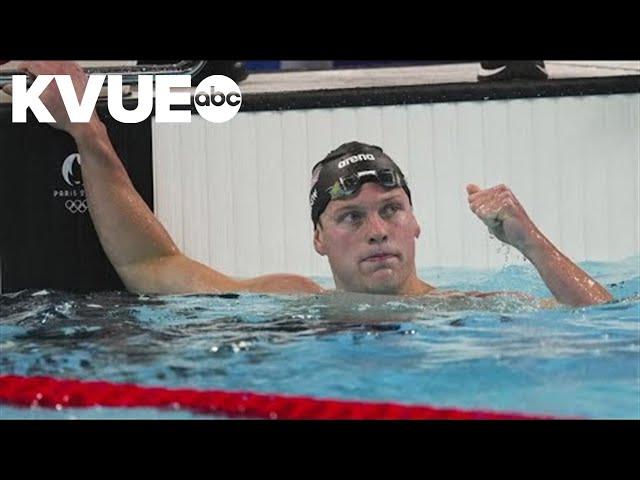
(60, 393)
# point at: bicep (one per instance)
(178, 274)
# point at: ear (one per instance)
(318, 241)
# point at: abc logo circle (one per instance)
(217, 98)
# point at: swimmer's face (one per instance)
(370, 240)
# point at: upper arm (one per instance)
(174, 274)
(281, 283)
(177, 274)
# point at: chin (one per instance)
(386, 285)
(382, 290)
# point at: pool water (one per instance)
(499, 353)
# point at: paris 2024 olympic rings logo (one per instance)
(76, 206)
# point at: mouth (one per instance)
(379, 257)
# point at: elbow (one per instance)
(591, 300)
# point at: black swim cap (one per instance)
(341, 173)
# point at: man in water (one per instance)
(360, 206)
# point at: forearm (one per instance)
(128, 230)
(568, 283)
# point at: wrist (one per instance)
(87, 132)
(536, 244)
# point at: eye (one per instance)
(389, 209)
(351, 217)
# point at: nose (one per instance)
(377, 232)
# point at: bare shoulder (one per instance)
(540, 302)
(280, 283)
(477, 294)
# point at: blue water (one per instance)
(498, 354)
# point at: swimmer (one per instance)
(361, 210)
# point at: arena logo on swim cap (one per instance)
(355, 159)
(217, 98)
